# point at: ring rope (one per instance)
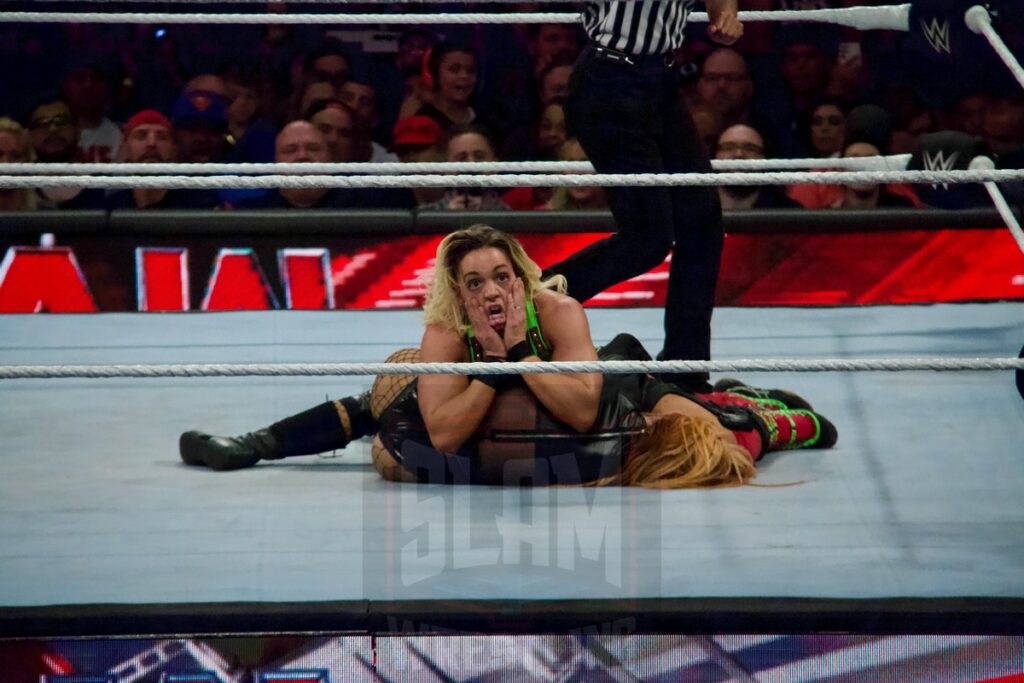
(891, 17)
(893, 162)
(980, 21)
(178, 182)
(1002, 206)
(610, 367)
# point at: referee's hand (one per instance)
(724, 27)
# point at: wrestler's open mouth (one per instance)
(496, 315)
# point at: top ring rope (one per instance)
(609, 367)
(979, 20)
(179, 182)
(891, 17)
(894, 162)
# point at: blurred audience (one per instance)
(744, 142)
(300, 142)
(826, 129)
(451, 70)
(149, 138)
(580, 198)
(868, 124)
(53, 130)
(868, 196)
(1003, 124)
(86, 90)
(469, 143)
(799, 90)
(200, 119)
(16, 148)
(313, 92)
(361, 98)
(419, 139)
(250, 136)
(725, 87)
(968, 114)
(337, 123)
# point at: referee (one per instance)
(623, 106)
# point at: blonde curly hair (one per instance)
(444, 305)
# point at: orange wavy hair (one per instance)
(684, 452)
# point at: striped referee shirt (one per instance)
(637, 27)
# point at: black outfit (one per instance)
(624, 108)
(561, 455)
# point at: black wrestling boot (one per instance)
(325, 427)
(225, 453)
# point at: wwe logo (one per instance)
(937, 33)
(939, 162)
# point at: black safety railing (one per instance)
(383, 223)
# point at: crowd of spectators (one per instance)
(147, 93)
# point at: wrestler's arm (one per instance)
(452, 406)
(572, 398)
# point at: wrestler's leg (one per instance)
(386, 388)
(779, 427)
(328, 426)
(386, 465)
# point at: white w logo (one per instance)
(937, 33)
(939, 161)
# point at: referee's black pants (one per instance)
(628, 119)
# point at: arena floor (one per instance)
(921, 498)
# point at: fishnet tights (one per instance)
(386, 389)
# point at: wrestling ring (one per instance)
(913, 523)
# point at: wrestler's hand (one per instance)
(724, 26)
(515, 314)
(489, 339)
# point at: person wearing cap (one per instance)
(418, 139)
(149, 138)
(200, 120)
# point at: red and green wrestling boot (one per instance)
(791, 429)
(766, 430)
(762, 425)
